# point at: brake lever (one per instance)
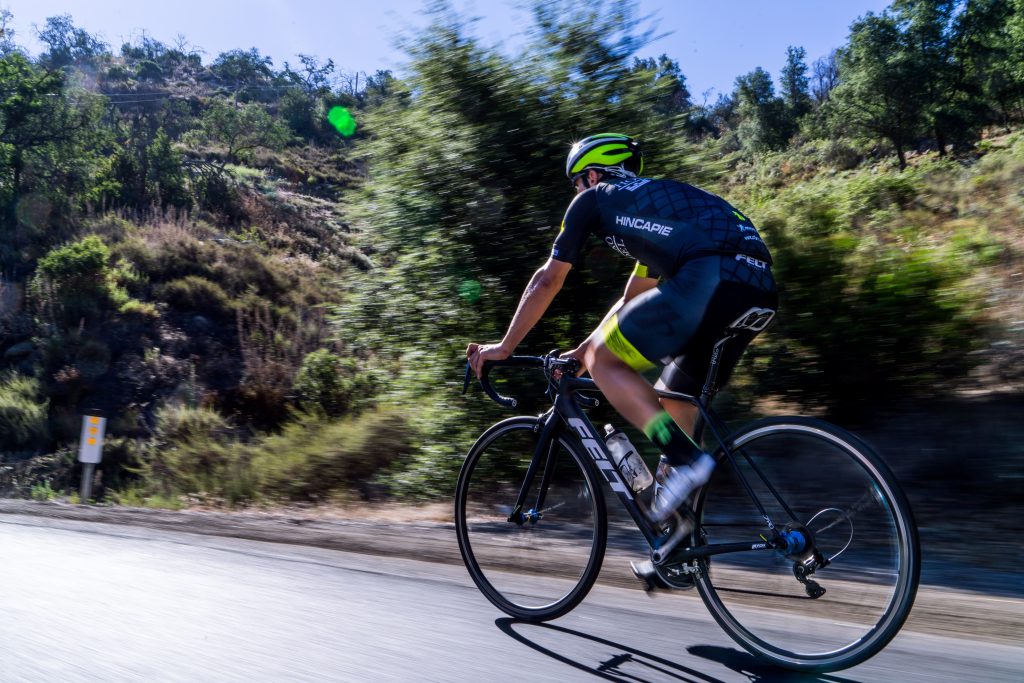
(468, 379)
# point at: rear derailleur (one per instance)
(797, 543)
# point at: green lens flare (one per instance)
(342, 120)
(470, 291)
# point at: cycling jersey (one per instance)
(712, 261)
(660, 223)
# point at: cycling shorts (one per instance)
(676, 324)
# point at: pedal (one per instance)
(648, 576)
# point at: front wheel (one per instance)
(806, 611)
(539, 561)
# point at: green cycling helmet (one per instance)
(610, 152)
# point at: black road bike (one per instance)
(802, 545)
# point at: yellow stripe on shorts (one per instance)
(621, 347)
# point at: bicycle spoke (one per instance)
(835, 602)
(544, 565)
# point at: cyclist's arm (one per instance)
(537, 296)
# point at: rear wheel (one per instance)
(541, 563)
(807, 611)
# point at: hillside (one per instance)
(266, 278)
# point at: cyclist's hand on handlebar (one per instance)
(579, 353)
(477, 354)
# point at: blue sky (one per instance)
(713, 41)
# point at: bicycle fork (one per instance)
(548, 440)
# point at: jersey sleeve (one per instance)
(581, 218)
(640, 270)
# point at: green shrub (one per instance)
(43, 491)
(867, 193)
(864, 321)
(326, 383)
(79, 263)
(192, 452)
(23, 414)
(314, 458)
(195, 293)
(195, 453)
(72, 280)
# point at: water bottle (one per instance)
(629, 462)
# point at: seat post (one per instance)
(710, 384)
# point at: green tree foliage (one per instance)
(989, 52)
(764, 119)
(795, 85)
(954, 109)
(245, 73)
(67, 45)
(314, 77)
(467, 189)
(668, 81)
(240, 129)
(48, 150)
(884, 88)
(935, 70)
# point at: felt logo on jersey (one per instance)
(750, 260)
(641, 224)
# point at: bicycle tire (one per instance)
(869, 586)
(540, 571)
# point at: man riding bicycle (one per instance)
(700, 265)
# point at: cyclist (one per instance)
(700, 265)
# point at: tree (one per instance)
(884, 88)
(825, 75)
(240, 129)
(315, 78)
(476, 152)
(667, 84)
(48, 144)
(67, 44)
(379, 87)
(764, 124)
(990, 52)
(929, 39)
(243, 71)
(795, 90)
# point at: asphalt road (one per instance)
(83, 601)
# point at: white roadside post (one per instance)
(90, 451)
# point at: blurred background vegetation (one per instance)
(267, 276)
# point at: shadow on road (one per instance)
(755, 670)
(644, 666)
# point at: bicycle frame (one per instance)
(566, 417)
(575, 421)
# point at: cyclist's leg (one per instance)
(683, 413)
(681, 318)
(744, 285)
(653, 329)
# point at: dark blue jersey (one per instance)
(660, 223)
